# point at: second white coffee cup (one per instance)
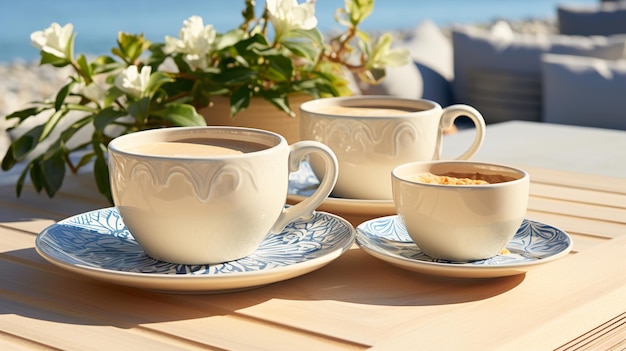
(370, 135)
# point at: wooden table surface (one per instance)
(356, 302)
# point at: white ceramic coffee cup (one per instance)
(369, 146)
(210, 209)
(460, 222)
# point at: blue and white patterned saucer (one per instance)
(97, 244)
(534, 244)
(304, 182)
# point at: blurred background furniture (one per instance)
(572, 75)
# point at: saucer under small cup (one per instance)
(534, 244)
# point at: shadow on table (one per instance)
(33, 288)
(357, 277)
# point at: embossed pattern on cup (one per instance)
(206, 181)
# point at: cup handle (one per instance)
(305, 208)
(448, 116)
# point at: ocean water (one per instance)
(98, 22)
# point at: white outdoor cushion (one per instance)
(510, 68)
(430, 73)
(595, 19)
(404, 82)
(584, 91)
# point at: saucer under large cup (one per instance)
(304, 182)
(534, 244)
(97, 244)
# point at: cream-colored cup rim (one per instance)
(270, 139)
(380, 101)
(400, 172)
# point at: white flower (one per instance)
(54, 40)
(132, 82)
(287, 15)
(383, 55)
(195, 42)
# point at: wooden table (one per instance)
(356, 302)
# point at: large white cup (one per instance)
(370, 135)
(215, 208)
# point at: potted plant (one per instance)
(144, 85)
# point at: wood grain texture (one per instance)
(355, 303)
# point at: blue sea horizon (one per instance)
(97, 23)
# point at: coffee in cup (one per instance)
(202, 195)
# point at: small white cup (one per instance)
(209, 209)
(460, 222)
(370, 142)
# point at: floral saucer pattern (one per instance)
(304, 182)
(534, 244)
(98, 244)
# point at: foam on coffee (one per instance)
(197, 148)
(455, 178)
(365, 110)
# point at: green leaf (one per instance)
(111, 95)
(182, 65)
(26, 143)
(85, 68)
(53, 171)
(230, 38)
(364, 41)
(139, 109)
(52, 121)
(302, 49)
(257, 38)
(61, 95)
(8, 161)
(105, 64)
(280, 69)
(262, 49)
(157, 57)
(157, 79)
(130, 46)
(20, 181)
(240, 100)
(79, 107)
(279, 100)
(69, 49)
(181, 115)
(341, 17)
(47, 58)
(359, 10)
(85, 159)
(313, 35)
(105, 117)
(101, 171)
(235, 76)
(74, 127)
(372, 76)
(24, 114)
(36, 174)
